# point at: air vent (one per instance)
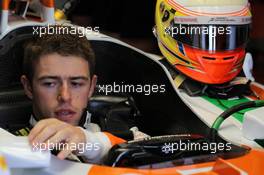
(228, 58)
(209, 58)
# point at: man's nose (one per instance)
(64, 93)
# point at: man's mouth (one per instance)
(64, 114)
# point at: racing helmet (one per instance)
(204, 39)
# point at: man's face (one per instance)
(61, 87)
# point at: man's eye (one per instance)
(49, 84)
(76, 84)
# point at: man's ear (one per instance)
(27, 86)
(93, 85)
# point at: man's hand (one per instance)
(53, 132)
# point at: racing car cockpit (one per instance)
(124, 75)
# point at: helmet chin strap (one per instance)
(224, 91)
(229, 90)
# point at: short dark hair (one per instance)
(62, 44)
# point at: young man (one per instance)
(59, 79)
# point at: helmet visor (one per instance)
(210, 37)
